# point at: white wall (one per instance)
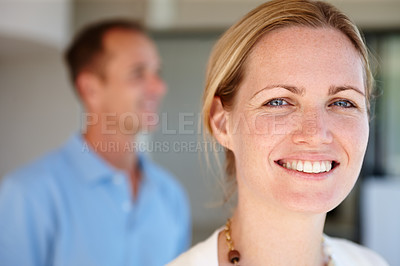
(381, 218)
(211, 14)
(88, 11)
(46, 21)
(38, 110)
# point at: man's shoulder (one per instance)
(161, 175)
(36, 173)
(166, 182)
(348, 251)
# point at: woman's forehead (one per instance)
(304, 53)
(289, 41)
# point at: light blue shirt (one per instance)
(71, 208)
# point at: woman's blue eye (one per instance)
(343, 104)
(277, 102)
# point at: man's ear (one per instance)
(220, 123)
(89, 89)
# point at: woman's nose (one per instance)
(313, 128)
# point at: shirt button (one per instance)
(126, 206)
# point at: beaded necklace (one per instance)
(234, 255)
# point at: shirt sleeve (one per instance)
(185, 237)
(24, 224)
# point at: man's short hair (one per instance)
(87, 51)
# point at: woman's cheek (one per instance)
(274, 125)
(353, 130)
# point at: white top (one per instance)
(343, 253)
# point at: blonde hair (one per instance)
(227, 61)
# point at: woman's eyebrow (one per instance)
(300, 91)
(292, 89)
(336, 89)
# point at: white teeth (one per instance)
(328, 166)
(323, 167)
(308, 166)
(316, 167)
(299, 166)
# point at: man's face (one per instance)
(131, 86)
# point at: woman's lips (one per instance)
(307, 166)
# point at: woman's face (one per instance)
(299, 125)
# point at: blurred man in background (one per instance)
(96, 200)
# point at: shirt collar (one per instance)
(92, 168)
(89, 165)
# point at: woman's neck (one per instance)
(265, 234)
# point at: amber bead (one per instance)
(234, 256)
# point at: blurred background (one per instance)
(39, 111)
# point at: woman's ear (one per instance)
(220, 123)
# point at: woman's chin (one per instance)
(311, 203)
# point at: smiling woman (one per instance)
(317, 123)
(287, 95)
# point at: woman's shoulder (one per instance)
(345, 252)
(204, 253)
